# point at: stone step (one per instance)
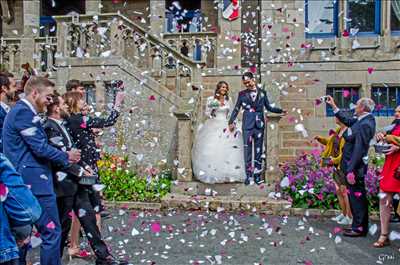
(226, 203)
(225, 189)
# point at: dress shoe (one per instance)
(110, 260)
(395, 219)
(247, 181)
(258, 180)
(353, 233)
(105, 214)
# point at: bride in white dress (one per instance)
(217, 155)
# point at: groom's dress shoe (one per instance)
(247, 181)
(353, 233)
(258, 180)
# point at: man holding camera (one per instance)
(361, 129)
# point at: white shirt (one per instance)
(61, 124)
(5, 106)
(29, 105)
(253, 94)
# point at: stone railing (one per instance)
(200, 46)
(107, 35)
(45, 53)
(39, 52)
(10, 54)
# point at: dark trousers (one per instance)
(87, 218)
(249, 136)
(49, 228)
(358, 202)
(395, 207)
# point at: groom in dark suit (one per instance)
(361, 129)
(253, 100)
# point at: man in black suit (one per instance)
(361, 129)
(71, 194)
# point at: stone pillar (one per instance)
(93, 7)
(228, 30)
(157, 17)
(184, 146)
(272, 172)
(31, 14)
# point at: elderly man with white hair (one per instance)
(361, 129)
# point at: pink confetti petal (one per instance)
(370, 70)
(345, 33)
(357, 194)
(3, 192)
(155, 227)
(51, 225)
(346, 93)
(152, 98)
(83, 125)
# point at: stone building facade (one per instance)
(299, 50)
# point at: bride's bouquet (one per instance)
(213, 104)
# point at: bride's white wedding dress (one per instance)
(217, 155)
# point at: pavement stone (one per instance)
(200, 237)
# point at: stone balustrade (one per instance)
(200, 46)
(107, 35)
(39, 52)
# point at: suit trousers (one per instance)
(10, 262)
(49, 229)
(358, 201)
(251, 136)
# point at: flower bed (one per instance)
(308, 185)
(125, 184)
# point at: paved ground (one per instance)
(222, 238)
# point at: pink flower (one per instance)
(3, 192)
(351, 178)
(346, 93)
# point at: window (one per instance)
(321, 18)
(395, 16)
(111, 91)
(343, 96)
(386, 98)
(364, 16)
(90, 94)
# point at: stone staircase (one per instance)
(109, 47)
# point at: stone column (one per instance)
(31, 15)
(227, 30)
(272, 172)
(157, 17)
(93, 7)
(184, 146)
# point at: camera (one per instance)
(324, 98)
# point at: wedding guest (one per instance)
(389, 182)
(361, 129)
(25, 144)
(332, 156)
(75, 85)
(18, 211)
(7, 94)
(72, 193)
(80, 126)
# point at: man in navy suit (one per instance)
(7, 94)
(361, 130)
(254, 101)
(26, 145)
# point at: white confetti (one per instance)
(61, 175)
(29, 131)
(134, 232)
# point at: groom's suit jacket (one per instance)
(253, 115)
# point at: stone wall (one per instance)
(146, 130)
(136, 10)
(16, 28)
(298, 75)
